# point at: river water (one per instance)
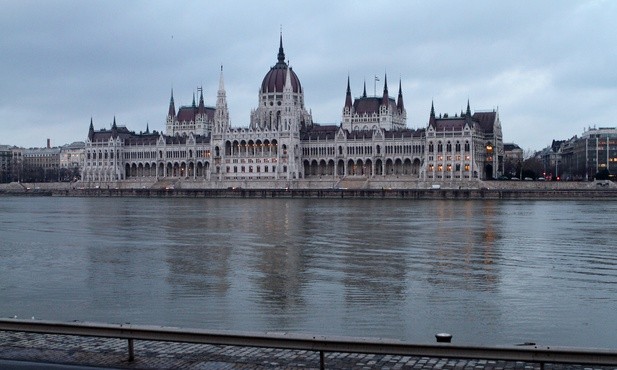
(488, 272)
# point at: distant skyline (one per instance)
(549, 67)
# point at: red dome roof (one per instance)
(274, 81)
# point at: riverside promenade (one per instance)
(358, 188)
(112, 353)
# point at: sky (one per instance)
(548, 67)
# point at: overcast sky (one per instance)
(549, 67)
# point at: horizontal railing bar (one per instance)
(315, 343)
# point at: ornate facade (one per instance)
(372, 144)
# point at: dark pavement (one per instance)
(20, 350)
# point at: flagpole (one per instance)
(375, 86)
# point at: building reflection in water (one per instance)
(464, 250)
(488, 272)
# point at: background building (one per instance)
(40, 164)
(582, 158)
(6, 163)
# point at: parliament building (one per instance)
(282, 146)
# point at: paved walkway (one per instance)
(113, 353)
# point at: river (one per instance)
(488, 272)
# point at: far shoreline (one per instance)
(489, 190)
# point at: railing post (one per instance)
(131, 350)
(322, 365)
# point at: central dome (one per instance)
(274, 81)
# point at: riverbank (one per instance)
(112, 353)
(485, 190)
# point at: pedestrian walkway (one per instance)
(113, 353)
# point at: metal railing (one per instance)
(321, 344)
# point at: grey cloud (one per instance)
(548, 66)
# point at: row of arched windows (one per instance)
(448, 147)
(253, 148)
(101, 154)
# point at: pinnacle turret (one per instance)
(348, 102)
(431, 120)
(221, 118)
(201, 109)
(114, 129)
(399, 103)
(91, 130)
(386, 98)
(172, 107)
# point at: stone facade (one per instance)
(283, 145)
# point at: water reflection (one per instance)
(464, 249)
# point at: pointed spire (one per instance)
(221, 84)
(201, 109)
(364, 92)
(468, 119)
(91, 130)
(194, 100)
(281, 54)
(348, 102)
(399, 103)
(385, 83)
(147, 128)
(172, 106)
(287, 85)
(386, 98)
(431, 121)
(221, 115)
(114, 129)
